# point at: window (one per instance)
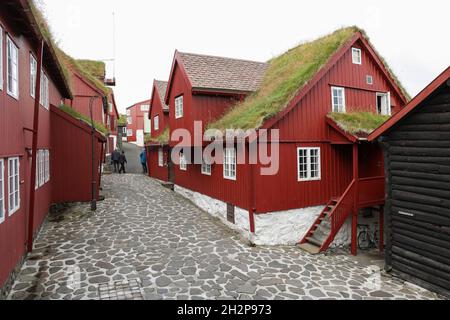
(14, 185)
(161, 157)
(129, 133)
(183, 162)
(47, 166)
(179, 107)
(2, 190)
(1, 58)
(145, 108)
(356, 56)
(369, 80)
(147, 123)
(384, 104)
(309, 164)
(33, 75)
(229, 164)
(338, 96)
(41, 167)
(44, 100)
(128, 112)
(110, 107)
(130, 120)
(156, 123)
(36, 184)
(12, 74)
(206, 167)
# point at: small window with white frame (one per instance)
(356, 56)
(229, 164)
(44, 99)
(369, 79)
(2, 190)
(1, 58)
(129, 132)
(156, 123)
(161, 157)
(179, 112)
(338, 99)
(33, 75)
(47, 166)
(12, 72)
(130, 120)
(128, 112)
(13, 185)
(206, 167)
(183, 162)
(309, 165)
(145, 108)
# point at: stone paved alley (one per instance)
(146, 242)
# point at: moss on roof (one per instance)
(162, 139)
(286, 75)
(94, 68)
(358, 123)
(98, 126)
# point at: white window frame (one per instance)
(33, 75)
(337, 107)
(183, 162)
(309, 164)
(47, 166)
(388, 101)
(44, 98)
(36, 184)
(2, 191)
(129, 132)
(369, 80)
(179, 107)
(160, 157)
(130, 120)
(13, 185)
(145, 107)
(110, 107)
(206, 168)
(230, 164)
(1, 58)
(11, 46)
(41, 168)
(156, 123)
(128, 113)
(358, 58)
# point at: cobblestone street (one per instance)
(146, 242)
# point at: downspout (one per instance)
(34, 148)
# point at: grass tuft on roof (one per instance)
(122, 122)
(358, 123)
(286, 75)
(162, 139)
(95, 68)
(75, 114)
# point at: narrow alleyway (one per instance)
(132, 153)
(146, 242)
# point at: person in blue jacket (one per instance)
(143, 157)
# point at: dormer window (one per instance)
(356, 56)
(156, 123)
(179, 107)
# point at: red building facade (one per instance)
(138, 124)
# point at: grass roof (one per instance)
(122, 122)
(94, 68)
(286, 75)
(75, 114)
(162, 139)
(358, 123)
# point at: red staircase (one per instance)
(323, 232)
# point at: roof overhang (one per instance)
(442, 79)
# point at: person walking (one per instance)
(115, 157)
(122, 161)
(143, 157)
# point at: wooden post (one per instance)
(355, 200)
(37, 98)
(381, 236)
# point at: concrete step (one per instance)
(310, 248)
(314, 241)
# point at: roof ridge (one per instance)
(221, 57)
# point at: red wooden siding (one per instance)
(157, 110)
(137, 116)
(71, 159)
(154, 170)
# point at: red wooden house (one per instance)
(32, 83)
(327, 172)
(138, 123)
(158, 149)
(112, 119)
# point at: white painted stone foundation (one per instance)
(271, 229)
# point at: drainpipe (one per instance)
(34, 148)
(93, 196)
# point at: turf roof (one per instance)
(162, 139)
(286, 75)
(95, 68)
(358, 123)
(98, 126)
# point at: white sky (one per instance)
(411, 35)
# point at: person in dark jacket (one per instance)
(143, 157)
(122, 161)
(115, 157)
